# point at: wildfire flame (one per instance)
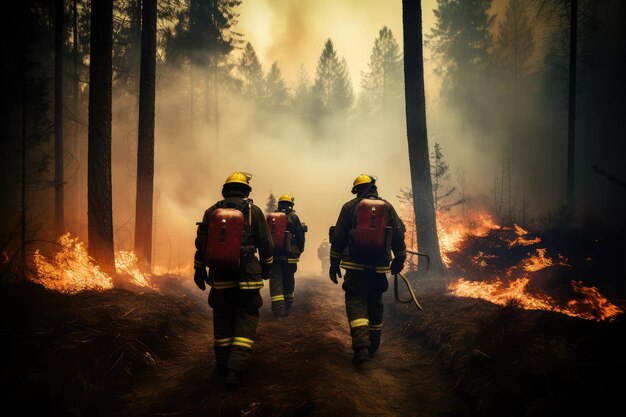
(593, 306)
(481, 259)
(488, 269)
(72, 270)
(521, 240)
(452, 233)
(537, 262)
(127, 263)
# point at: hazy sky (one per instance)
(293, 32)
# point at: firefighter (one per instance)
(323, 253)
(282, 276)
(235, 290)
(367, 231)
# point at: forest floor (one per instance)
(120, 352)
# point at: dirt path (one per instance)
(302, 366)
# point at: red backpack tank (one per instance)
(226, 230)
(371, 222)
(277, 223)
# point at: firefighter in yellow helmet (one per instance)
(367, 231)
(282, 276)
(231, 232)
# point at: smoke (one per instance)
(317, 164)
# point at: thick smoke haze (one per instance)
(317, 170)
(287, 155)
(317, 160)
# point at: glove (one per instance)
(265, 270)
(200, 277)
(397, 265)
(334, 271)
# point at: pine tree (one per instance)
(145, 143)
(276, 90)
(382, 84)
(59, 182)
(343, 96)
(332, 89)
(252, 73)
(417, 137)
(460, 42)
(202, 39)
(515, 42)
(513, 49)
(271, 204)
(443, 191)
(100, 210)
(302, 100)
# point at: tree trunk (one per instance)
(571, 116)
(58, 119)
(23, 182)
(145, 144)
(216, 110)
(100, 207)
(77, 203)
(423, 204)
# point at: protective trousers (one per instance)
(235, 319)
(282, 286)
(364, 305)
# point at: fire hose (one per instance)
(408, 284)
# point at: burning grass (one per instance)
(510, 264)
(72, 270)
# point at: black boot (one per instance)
(374, 343)
(360, 356)
(232, 378)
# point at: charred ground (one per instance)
(120, 352)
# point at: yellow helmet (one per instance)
(286, 197)
(239, 177)
(363, 179)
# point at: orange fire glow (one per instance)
(481, 259)
(593, 306)
(510, 282)
(127, 263)
(521, 240)
(453, 232)
(537, 262)
(72, 270)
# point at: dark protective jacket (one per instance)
(248, 277)
(342, 246)
(294, 225)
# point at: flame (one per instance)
(128, 263)
(453, 232)
(72, 270)
(593, 302)
(487, 269)
(593, 306)
(481, 259)
(521, 240)
(186, 269)
(537, 262)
